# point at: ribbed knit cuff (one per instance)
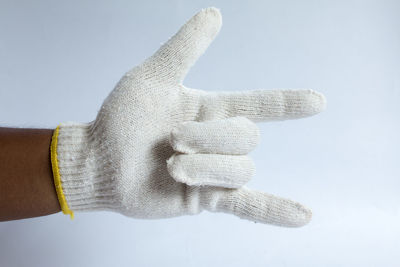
(86, 182)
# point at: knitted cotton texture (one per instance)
(158, 149)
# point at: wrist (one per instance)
(82, 169)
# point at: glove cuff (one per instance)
(79, 169)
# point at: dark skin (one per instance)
(26, 179)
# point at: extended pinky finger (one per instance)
(257, 206)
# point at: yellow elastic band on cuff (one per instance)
(56, 174)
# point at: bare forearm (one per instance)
(26, 180)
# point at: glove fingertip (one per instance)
(178, 140)
(175, 170)
(316, 102)
(301, 217)
(211, 15)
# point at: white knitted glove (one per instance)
(158, 149)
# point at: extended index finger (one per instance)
(264, 105)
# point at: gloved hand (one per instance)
(158, 149)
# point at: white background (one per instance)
(60, 59)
